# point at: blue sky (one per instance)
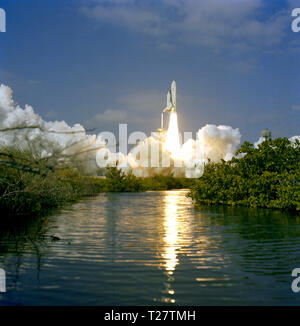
(105, 62)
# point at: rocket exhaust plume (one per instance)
(172, 140)
(23, 128)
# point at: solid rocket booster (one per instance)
(173, 94)
(171, 99)
(171, 103)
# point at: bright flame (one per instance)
(172, 140)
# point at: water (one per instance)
(151, 248)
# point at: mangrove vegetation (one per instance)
(30, 185)
(264, 176)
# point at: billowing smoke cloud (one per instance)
(219, 142)
(152, 157)
(24, 129)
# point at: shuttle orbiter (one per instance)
(171, 99)
(171, 104)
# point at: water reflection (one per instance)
(131, 249)
(171, 232)
(176, 236)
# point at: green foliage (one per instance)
(167, 182)
(118, 181)
(267, 176)
(28, 186)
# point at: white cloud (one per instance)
(131, 17)
(245, 66)
(217, 24)
(107, 120)
(141, 110)
(296, 107)
(137, 109)
(19, 81)
(293, 3)
(51, 115)
(149, 101)
(111, 116)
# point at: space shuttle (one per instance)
(171, 99)
(171, 104)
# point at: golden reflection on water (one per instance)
(171, 232)
(176, 234)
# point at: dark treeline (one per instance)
(118, 181)
(30, 185)
(267, 176)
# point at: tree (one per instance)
(266, 176)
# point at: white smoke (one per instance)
(26, 130)
(151, 156)
(262, 139)
(293, 139)
(219, 142)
